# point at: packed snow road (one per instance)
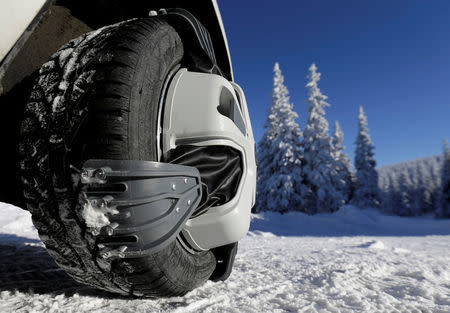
(274, 271)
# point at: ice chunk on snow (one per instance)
(401, 250)
(376, 244)
(373, 244)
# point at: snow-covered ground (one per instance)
(351, 261)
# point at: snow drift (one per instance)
(348, 221)
(288, 263)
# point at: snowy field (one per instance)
(352, 261)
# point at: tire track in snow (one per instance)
(272, 274)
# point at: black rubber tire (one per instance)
(98, 98)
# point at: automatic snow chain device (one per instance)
(154, 201)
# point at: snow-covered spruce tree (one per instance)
(265, 170)
(415, 191)
(423, 197)
(419, 191)
(343, 178)
(395, 194)
(318, 161)
(404, 207)
(279, 153)
(389, 194)
(410, 191)
(444, 205)
(435, 170)
(284, 186)
(366, 192)
(384, 187)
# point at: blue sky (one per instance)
(391, 57)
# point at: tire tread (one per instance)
(99, 100)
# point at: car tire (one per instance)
(98, 98)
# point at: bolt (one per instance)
(152, 13)
(189, 202)
(177, 210)
(105, 254)
(100, 174)
(174, 187)
(185, 180)
(122, 250)
(110, 228)
(162, 11)
(109, 231)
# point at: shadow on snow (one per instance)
(26, 266)
(348, 221)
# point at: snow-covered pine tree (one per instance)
(366, 192)
(317, 159)
(279, 153)
(265, 171)
(388, 194)
(419, 191)
(444, 205)
(424, 192)
(342, 178)
(415, 191)
(404, 208)
(383, 185)
(285, 183)
(394, 194)
(435, 170)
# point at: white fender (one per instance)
(15, 17)
(191, 116)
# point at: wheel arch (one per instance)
(71, 18)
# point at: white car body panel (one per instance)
(191, 117)
(15, 17)
(219, 19)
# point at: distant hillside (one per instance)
(428, 162)
(411, 187)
